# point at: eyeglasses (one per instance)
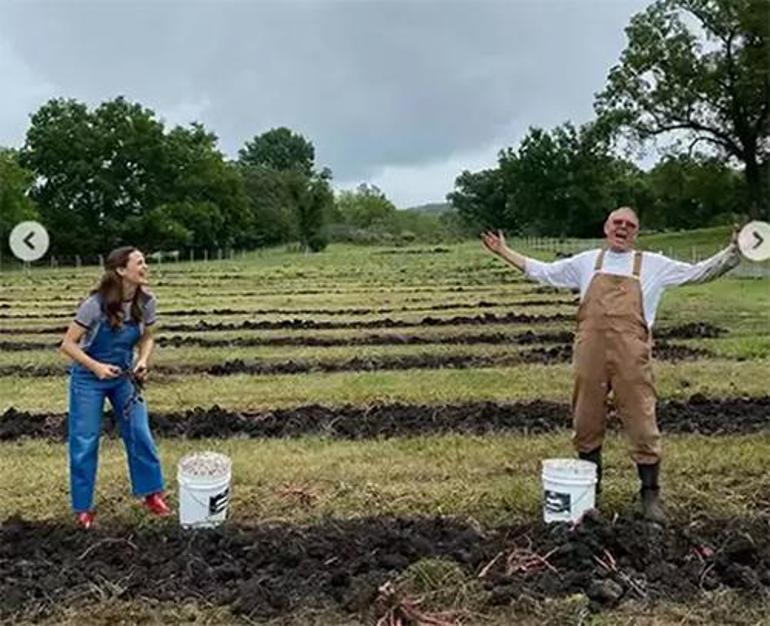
(627, 223)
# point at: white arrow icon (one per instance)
(29, 241)
(754, 241)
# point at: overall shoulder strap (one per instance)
(637, 263)
(600, 260)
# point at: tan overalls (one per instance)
(613, 352)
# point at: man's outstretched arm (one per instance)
(564, 273)
(495, 243)
(679, 273)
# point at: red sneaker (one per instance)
(157, 505)
(85, 519)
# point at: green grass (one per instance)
(195, 355)
(524, 382)
(680, 244)
(743, 347)
(738, 305)
(492, 479)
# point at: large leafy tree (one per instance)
(564, 182)
(280, 174)
(561, 182)
(93, 169)
(312, 199)
(114, 175)
(691, 192)
(271, 207)
(279, 149)
(479, 198)
(208, 196)
(15, 203)
(698, 71)
(365, 207)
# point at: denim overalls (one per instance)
(87, 394)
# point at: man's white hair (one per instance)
(626, 209)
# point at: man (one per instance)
(620, 289)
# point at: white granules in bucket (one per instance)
(205, 464)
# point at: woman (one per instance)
(114, 321)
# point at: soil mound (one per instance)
(270, 570)
(697, 415)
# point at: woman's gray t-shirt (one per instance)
(90, 314)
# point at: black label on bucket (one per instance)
(218, 503)
(556, 502)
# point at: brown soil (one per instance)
(686, 331)
(547, 356)
(698, 414)
(271, 570)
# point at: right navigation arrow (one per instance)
(760, 240)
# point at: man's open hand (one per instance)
(494, 242)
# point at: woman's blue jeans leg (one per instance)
(144, 465)
(85, 423)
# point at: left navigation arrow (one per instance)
(29, 241)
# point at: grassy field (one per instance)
(680, 244)
(369, 327)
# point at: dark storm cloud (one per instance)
(380, 87)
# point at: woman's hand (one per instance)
(494, 242)
(141, 371)
(105, 371)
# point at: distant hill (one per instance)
(434, 208)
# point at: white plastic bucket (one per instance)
(204, 489)
(569, 489)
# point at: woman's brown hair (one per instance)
(111, 289)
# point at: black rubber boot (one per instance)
(652, 507)
(595, 456)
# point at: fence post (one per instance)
(206, 255)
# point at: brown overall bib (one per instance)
(613, 352)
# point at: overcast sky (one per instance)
(401, 93)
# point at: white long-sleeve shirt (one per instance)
(657, 272)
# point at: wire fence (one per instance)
(560, 248)
(156, 258)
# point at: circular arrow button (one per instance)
(754, 241)
(29, 241)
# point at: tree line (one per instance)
(103, 177)
(695, 75)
